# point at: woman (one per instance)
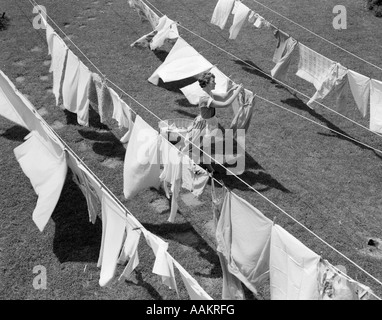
(205, 125)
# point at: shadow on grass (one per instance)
(187, 114)
(16, 133)
(184, 103)
(4, 22)
(75, 238)
(192, 239)
(141, 283)
(94, 119)
(160, 54)
(257, 71)
(106, 143)
(299, 104)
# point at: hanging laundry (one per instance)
(182, 62)
(17, 108)
(142, 164)
(252, 17)
(59, 52)
(89, 186)
(193, 91)
(144, 12)
(360, 88)
(194, 177)
(122, 113)
(280, 70)
(221, 12)
(334, 83)
(144, 41)
(171, 159)
(334, 285)
(50, 33)
(195, 291)
(163, 265)
(259, 22)
(240, 12)
(312, 66)
(99, 95)
(130, 251)
(293, 268)
(75, 88)
(46, 171)
(243, 237)
(376, 106)
(281, 37)
(113, 217)
(126, 137)
(243, 109)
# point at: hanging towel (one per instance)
(360, 88)
(243, 237)
(312, 66)
(221, 12)
(46, 171)
(166, 29)
(195, 291)
(113, 217)
(59, 51)
(281, 37)
(121, 111)
(163, 265)
(130, 251)
(89, 186)
(334, 82)
(142, 164)
(70, 84)
(182, 62)
(144, 12)
(293, 268)
(376, 106)
(240, 12)
(99, 95)
(280, 70)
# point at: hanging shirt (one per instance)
(221, 13)
(242, 109)
(46, 171)
(243, 236)
(334, 82)
(113, 228)
(360, 88)
(182, 62)
(280, 70)
(142, 164)
(99, 95)
(293, 268)
(50, 33)
(376, 106)
(281, 37)
(59, 51)
(312, 66)
(172, 172)
(89, 186)
(240, 12)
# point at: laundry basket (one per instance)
(174, 130)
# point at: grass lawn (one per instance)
(329, 183)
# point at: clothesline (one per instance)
(242, 180)
(322, 38)
(261, 71)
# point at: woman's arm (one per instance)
(227, 102)
(221, 96)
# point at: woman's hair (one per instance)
(205, 78)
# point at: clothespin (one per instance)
(274, 220)
(137, 228)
